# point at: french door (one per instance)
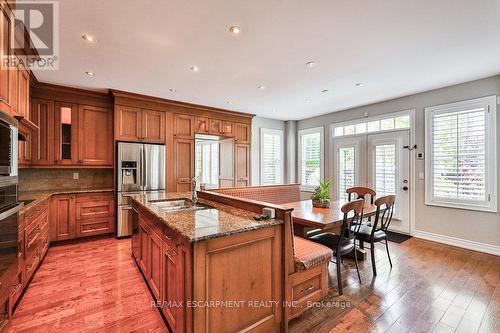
(380, 162)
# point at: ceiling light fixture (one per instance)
(229, 102)
(172, 90)
(324, 90)
(262, 87)
(195, 68)
(89, 38)
(359, 84)
(311, 64)
(90, 73)
(235, 30)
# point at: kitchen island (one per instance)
(210, 267)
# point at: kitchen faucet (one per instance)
(194, 196)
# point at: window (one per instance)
(271, 156)
(207, 163)
(310, 157)
(401, 121)
(461, 143)
(385, 169)
(347, 171)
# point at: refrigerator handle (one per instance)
(143, 168)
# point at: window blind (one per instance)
(385, 169)
(271, 159)
(310, 159)
(459, 155)
(347, 165)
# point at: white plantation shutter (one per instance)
(463, 160)
(347, 171)
(310, 163)
(385, 169)
(271, 157)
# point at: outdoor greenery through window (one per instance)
(462, 157)
(386, 124)
(346, 170)
(310, 151)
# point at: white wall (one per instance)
(451, 223)
(257, 124)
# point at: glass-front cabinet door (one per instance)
(66, 133)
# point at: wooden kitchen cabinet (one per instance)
(95, 136)
(183, 126)
(155, 263)
(65, 133)
(153, 126)
(215, 127)
(184, 164)
(142, 125)
(201, 126)
(42, 145)
(6, 26)
(19, 85)
(242, 133)
(144, 237)
(227, 128)
(24, 147)
(62, 217)
(242, 164)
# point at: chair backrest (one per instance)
(361, 193)
(385, 210)
(353, 215)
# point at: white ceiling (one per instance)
(394, 48)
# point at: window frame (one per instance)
(264, 131)
(490, 104)
(300, 133)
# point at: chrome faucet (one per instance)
(194, 196)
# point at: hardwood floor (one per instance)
(95, 287)
(92, 286)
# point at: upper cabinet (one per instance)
(95, 136)
(70, 132)
(183, 126)
(201, 125)
(5, 42)
(242, 133)
(136, 124)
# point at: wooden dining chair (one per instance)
(378, 232)
(345, 242)
(361, 193)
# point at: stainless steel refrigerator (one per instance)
(141, 169)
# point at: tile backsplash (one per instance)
(52, 179)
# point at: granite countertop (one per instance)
(39, 196)
(200, 225)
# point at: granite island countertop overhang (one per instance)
(195, 226)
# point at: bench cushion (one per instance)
(308, 254)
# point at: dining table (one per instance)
(309, 220)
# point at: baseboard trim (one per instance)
(458, 242)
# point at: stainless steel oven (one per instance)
(8, 145)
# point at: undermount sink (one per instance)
(176, 205)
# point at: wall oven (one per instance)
(8, 145)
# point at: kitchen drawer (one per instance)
(44, 242)
(101, 196)
(94, 227)
(34, 212)
(170, 236)
(307, 287)
(30, 264)
(95, 209)
(31, 238)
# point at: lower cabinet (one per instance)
(164, 259)
(80, 215)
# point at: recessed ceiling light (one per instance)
(262, 87)
(195, 68)
(229, 102)
(90, 73)
(311, 63)
(89, 38)
(307, 99)
(324, 90)
(172, 90)
(359, 84)
(234, 29)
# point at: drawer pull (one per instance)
(168, 237)
(311, 287)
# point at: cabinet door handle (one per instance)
(168, 237)
(311, 287)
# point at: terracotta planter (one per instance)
(321, 203)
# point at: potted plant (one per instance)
(321, 195)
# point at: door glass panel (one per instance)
(385, 169)
(66, 133)
(347, 164)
